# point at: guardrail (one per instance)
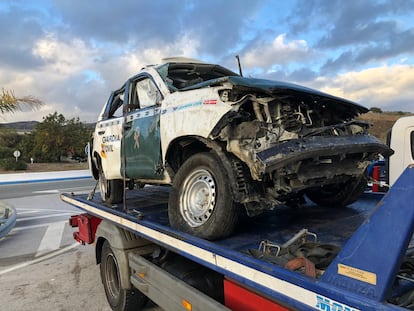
(8, 218)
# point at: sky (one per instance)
(72, 53)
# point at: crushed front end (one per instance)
(293, 139)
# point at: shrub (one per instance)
(5, 152)
(13, 165)
(376, 110)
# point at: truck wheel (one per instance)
(111, 190)
(339, 194)
(119, 299)
(200, 200)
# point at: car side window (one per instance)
(147, 93)
(115, 107)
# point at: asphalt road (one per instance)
(41, 266)
(41, 227)
(41, 188)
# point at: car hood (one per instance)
(282, 89)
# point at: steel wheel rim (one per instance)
(112, 277)
(198, 198)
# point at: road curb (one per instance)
(33, 177)
(41, 180)
(8, 216)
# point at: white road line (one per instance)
(51, 239)
(71, 189)
(28, 263)
(44, 216)
(45, 210)
(36, 226)
(28, 212)
(46, 191)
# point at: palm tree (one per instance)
(10, 103)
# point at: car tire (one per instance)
(111, 189)
(339, 194)
(200, 201)
(118, 298)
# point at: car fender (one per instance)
(196, 114)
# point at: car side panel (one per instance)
(107, 143)
(142, 144)
(190, 113)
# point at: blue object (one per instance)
(370, 260)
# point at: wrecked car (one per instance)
(227, 143)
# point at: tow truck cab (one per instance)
(401, 140)
(385, 171)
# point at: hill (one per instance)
(381, 122)
(24, 126)
(28, 126)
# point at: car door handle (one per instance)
(101, 132)
(127, 126)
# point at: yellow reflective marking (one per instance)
(358, 274)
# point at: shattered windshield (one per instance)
(181, 75)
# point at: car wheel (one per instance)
(118, 298)
(339, 194)
(111, 189)
(200, 200)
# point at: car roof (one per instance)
(180, 59)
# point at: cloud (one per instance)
(365, 22)
(141, 23)
(76, 77)
(372, 42)
(119, 22)
(358, 32)
(60, 81)
(387, 87)
(21, 28)
(341, 22)
(219, 26)
(344, 60)
(63, 58)
(72, 54)
(397, 46)
(278, 52)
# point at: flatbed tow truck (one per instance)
(351, 258)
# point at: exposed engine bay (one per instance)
(260, 123)
(293, 141)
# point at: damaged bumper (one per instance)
(320, 149)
